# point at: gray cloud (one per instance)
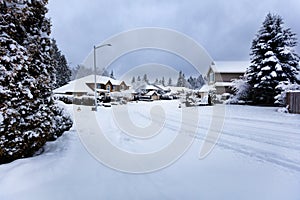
(224, 28)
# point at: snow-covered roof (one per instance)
(161, 87)
(80, 85)
(179, 89)
(206, 88)
(150, 93)
(75, 86)
(230, 66)
(100, 79)
(150, 87)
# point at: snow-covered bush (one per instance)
(284, 87)
(241, 91)
(27, 77)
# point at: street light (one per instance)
(95, 72)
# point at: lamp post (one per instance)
(95, 73)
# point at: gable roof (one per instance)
(230, 66)
(151, 93)
(80, 85)
(161, 87)
(99, 79)
(148, 87)
(77, 86)
(206, 88)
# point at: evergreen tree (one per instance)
(179, 80)
(163, 81)
(81, 71)
(200, 82)
(273, 60)
(170, 82)
(192, 82)
(62, 70)
(27, 78)
(138, 78)
(145, 79)
(156, 81)
(133, 80)
(112, 74)
(184, 81)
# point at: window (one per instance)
(211, 77)
(108, 88)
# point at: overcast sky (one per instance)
(224, 28)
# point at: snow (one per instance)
(30, 96)
(1, 118)
(230, 66)
(278, 67)
(175, 89)
(256, 157)
(273, 74)
(148, 87)
(6, 58)
(269, 53)
(270, 59)
(76, 86)
(266, 68)
(12, 46)
(206, 88)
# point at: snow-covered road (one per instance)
(257, 157)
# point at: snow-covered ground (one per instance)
(257, 157)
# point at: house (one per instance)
(162, 89)
(150, 96)
(105, 83)
(145, 88)
(221, 74)
(86, 85)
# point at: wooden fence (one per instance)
(293, 101)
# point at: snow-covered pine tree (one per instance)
(170, 82)
(184, 81)
(273, 59)
(112, 74)
(81, 71)
(133, 80)
(163, 81)
(180, 80)
(199, 82)
(192, 82)
(29, 115)
(62, 70)
(145, 79)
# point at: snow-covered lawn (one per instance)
(256, 157)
